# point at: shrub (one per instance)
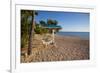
(39, 30)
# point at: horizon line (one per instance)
(74, 31)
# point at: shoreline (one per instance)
(82, 35)
(67, 48)
(71, 36)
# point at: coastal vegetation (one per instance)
(39, 41)
(29, 28)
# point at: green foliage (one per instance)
(55, 22)
(27, 17)
(52, 22)
(39, 30)
(43, 23)
(24, 41)
(25, 25)
(44, 30)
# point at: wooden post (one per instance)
(53, 36)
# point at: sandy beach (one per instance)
(66, 48)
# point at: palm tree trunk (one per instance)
(31, 33)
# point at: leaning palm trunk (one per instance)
(31, 33)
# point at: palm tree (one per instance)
(31, 32)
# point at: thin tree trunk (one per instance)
(31, 32)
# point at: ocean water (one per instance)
(83, 35)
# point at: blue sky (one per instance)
(69, 21)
